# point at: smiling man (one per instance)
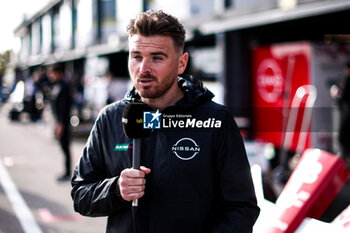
(194, 179)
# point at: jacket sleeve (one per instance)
(237, 210)
(93, 193)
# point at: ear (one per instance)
(183, 59)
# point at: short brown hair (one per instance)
(152, 23)
(58, 67)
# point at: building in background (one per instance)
(223, 37)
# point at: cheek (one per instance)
(165, 69)
(132, 69)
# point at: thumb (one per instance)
(145, 170)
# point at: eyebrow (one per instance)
(159, 53)
(153, 54)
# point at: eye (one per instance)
(158, 58)
(137, 57)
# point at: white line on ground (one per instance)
(21, 209)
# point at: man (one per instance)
(344, 132)
(61, 102)
(194, 179)
(342, 95)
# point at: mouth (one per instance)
(145, 82)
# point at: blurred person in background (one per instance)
(344, 131)
(61, 103)
(36, 87)
(342, 94)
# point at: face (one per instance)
(154, 65)
(54, 76)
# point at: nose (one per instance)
(144, 67)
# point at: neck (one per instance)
(171, 97)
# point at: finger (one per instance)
(125, 182)
(134, 196)
(132, 173)
(145, 170)
(135, 189)
(132, 192)
(135, 181)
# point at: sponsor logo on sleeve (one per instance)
(123, 146)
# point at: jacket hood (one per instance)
(192, 87)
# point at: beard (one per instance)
(156, 89)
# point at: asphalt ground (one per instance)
(31, 199)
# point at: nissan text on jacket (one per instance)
(200, 180)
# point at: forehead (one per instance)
(141, 43)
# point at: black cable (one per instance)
(134, 218)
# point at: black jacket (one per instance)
(61, 100)
(200, 179)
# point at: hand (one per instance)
(59, 130)
(335, 91)
(132, 183)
